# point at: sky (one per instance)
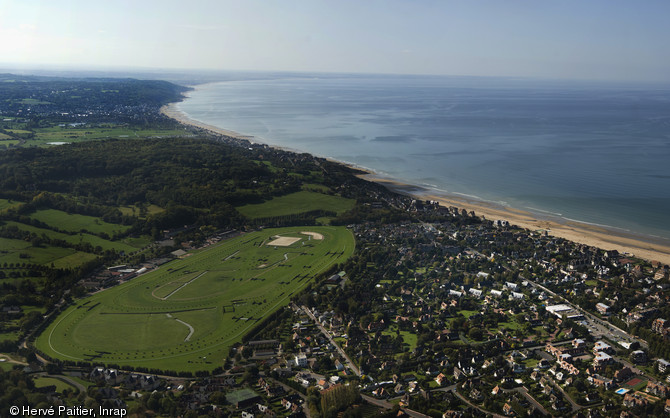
(568, 39)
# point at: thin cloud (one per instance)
(202, 27)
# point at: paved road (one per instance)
(65, 379)
(596, 324)
(288, 389)
(488, 413)
(524, 392)
(388, 405)
(575, 406)
(350, 363)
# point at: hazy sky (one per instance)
(587, 39)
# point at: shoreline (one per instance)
(171, 111)
(627, 243)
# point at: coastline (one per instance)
(635, 245)
(171, 111)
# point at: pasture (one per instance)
(91, 133)
(140, 212)
(77, 223)
(13, 251)
(187, 314)
(8, 204)
(295, 203)
(77, 238)
(43, 381)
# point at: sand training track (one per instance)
(314, 235)
(283, 241)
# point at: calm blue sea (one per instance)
(590, 152)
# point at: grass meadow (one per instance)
(186, 315)
(77, 238)
(19, 251)
(13, 251)
(43, 381)
(90, 133)
(8, 204)
(298, 202)
(77, 223)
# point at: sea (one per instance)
(592, 152)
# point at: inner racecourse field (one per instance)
(185, 315)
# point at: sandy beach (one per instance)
(609, 239)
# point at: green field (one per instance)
(90, 133)
(6, 366)
(4, 336)
(43, 381)
(186, 315)
(8, 204)
(79, 238)
(77, 223)
(29, 101)
(136, 211)
(467, 313)
(18, 251)
(298, 202)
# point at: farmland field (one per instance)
(76, 223)
(19, 251)
(136, 211)
(299, 202)
(8, 204)
(43, 381)
(79, 238)
(186, 315)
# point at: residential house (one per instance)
(631, 400)
(658, 389)
(601, 346)
(507, 410)
(602, 358)
(602, 309)
(300, 360)
(638, 356)
(598, 380)
(663, 365)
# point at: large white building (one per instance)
(301, 360)
(562, 309)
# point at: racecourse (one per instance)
(185, 315)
